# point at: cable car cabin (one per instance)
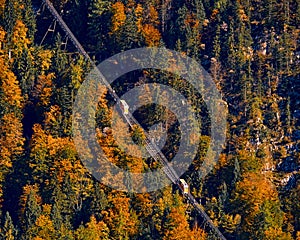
(184, 186)
(124, 106)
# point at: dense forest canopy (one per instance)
(250, 48)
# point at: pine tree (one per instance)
(8, 231)
(99, 26)
(99, 201)
(32, 211)
(11, 15)
(29, 18)
(60, 213)
(56, 217)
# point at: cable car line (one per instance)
(152, 149)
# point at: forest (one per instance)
(251, 48)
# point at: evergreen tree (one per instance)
(98, 25)
(29, 18)
(10, 17)
(8, 231)
(32, 210)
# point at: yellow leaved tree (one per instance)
(119, 16)
(11, 128)
(121, 220)
(93, 230)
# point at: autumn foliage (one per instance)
(250, 48)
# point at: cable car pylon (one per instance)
(152, 149)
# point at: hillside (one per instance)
(251, 50)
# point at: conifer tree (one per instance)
(8, 231)
(32, 210)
